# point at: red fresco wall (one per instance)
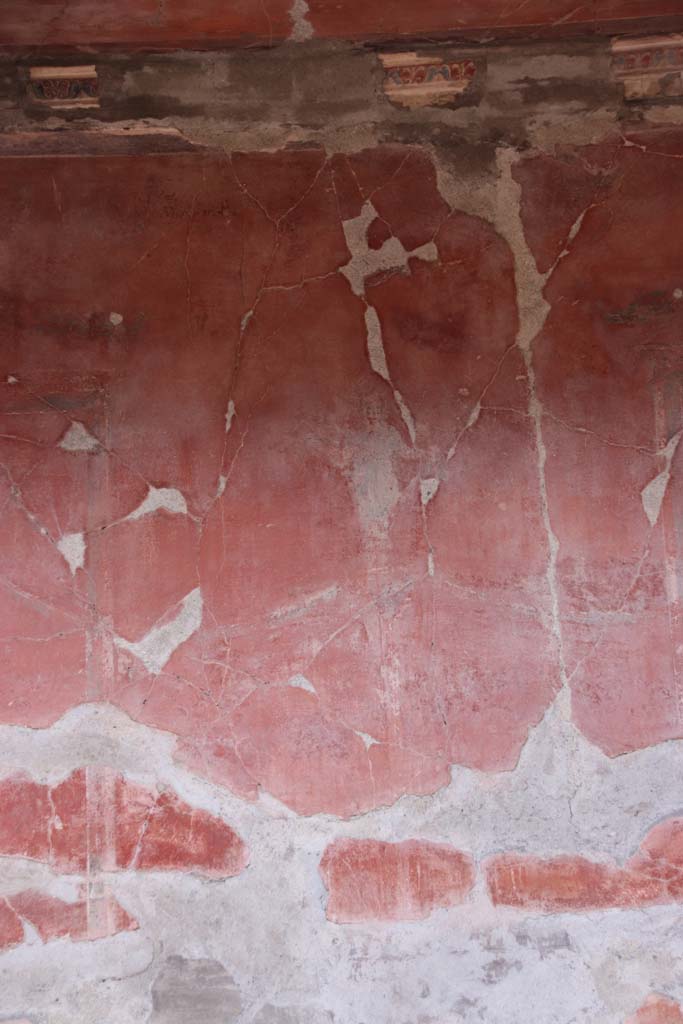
(207, 481)
(327, 522)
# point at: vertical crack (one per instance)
(365, 262)
(533, 312)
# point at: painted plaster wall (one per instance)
(211, 23)
(340, 605)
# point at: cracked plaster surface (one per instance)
(449, 622)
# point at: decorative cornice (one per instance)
(64, 87)
(414, 81)
(649, 68)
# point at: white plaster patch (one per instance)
(472, 419)
(375, 486)
(428, 489)
(67, 889)
(406, 414)
(155, 649)
(300, 682)
(115, 319)
(574, 230)
(376, 353)
(378, 362)
(533, 306)
(533, 311)
(229, 416)
(301, 26)
(365, 261)
(368, 740)
(222, 484)
(78, 439)
(12, 380)
(652, 495)
(678, 294)
(71, 547)
(168, 499)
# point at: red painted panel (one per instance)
(608, 369)
(83, 920)
(213, 23)
(388, 18)
(97, 820)
(142, 22)
(300, 461)
(369, 880)
(653, 875)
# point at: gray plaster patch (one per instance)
(290, 957)
(194, 992)
(270, 1014)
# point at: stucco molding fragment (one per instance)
(650, 67)
(413, 81)
(64, 88)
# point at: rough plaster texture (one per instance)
(340, 556)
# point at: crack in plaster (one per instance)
(378, 362)
(363, 264)
(453, 800)
(533, 312)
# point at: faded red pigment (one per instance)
(607, 365)
(370, 880)
(357, 589)
(82, 920)
(353, 19)
(658, 1010)
(94, 813)
(144, 23)
(328, 577)
(654, 875)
